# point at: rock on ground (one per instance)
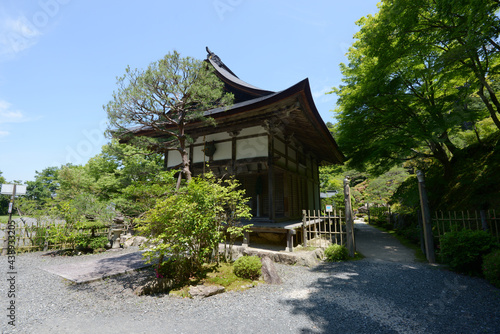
(269, 273)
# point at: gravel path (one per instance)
(366, 296)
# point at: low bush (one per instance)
(88, 242)
(178, 270)
(491, 267)
(463, 250)
(336, 253)
(248, 267)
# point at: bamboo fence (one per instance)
(443, 222)
(32, 236)
(320, 229)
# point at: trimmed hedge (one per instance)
(248, 267)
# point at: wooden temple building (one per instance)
(273, 142)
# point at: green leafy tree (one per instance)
(467, 32)
(402, 97)
(185, 229)
(45, 185)
(163, 99)
(381, 189)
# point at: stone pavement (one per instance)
(377, 245)
(83, 272)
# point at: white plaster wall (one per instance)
(279, 146)
(198, 154)
(252, 147)
(223, 151)
(214, 136)
(254, 130)
(174, 158)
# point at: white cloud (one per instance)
(322, 96)
(17, 34)
(7, 115)
(4, 133)
(321, 93)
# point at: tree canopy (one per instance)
(415, 75)
(163, 98)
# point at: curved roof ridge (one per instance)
(231, 79)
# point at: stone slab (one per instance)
(93, 270)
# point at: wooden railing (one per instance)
(320, 229)
(488, 220)
(32, 236)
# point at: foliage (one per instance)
(409, 86)
(45, 185)
(336, 253)
(463, 250)
(381, 189)
(223, 275)
(248, 267)
(165, 97)
(90, 242)
(187, 226)
(491, 267)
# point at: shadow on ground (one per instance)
(373, 297)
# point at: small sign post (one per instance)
(13, 190)
(329, 208)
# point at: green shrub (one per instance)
(247, 267)
(336, 253)
(88, 241)
(491, 268)
(98, 242)
(189, 224)
(177, 269)
(463, 250)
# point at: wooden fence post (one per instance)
(351, 246)
(426, 218)
(304, 221)
(484, 222)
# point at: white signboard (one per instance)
(329, 208)
(8, 189)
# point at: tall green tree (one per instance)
(402, 95)
(466, 31)
(163, 99)
(45, 185)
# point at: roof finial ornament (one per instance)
(214, 58)
(210, 53)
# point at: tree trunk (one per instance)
(184, 158)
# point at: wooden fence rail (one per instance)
(443, 222)
(32, 236)
(320, 229)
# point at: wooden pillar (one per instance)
(351, 246)
(270, 175)
(233, 135)
(426, 218)
(289, 240)
(10, 227)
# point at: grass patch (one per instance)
(4, 219)
(221, 275)
(357, 256)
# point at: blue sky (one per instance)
(59, 60)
